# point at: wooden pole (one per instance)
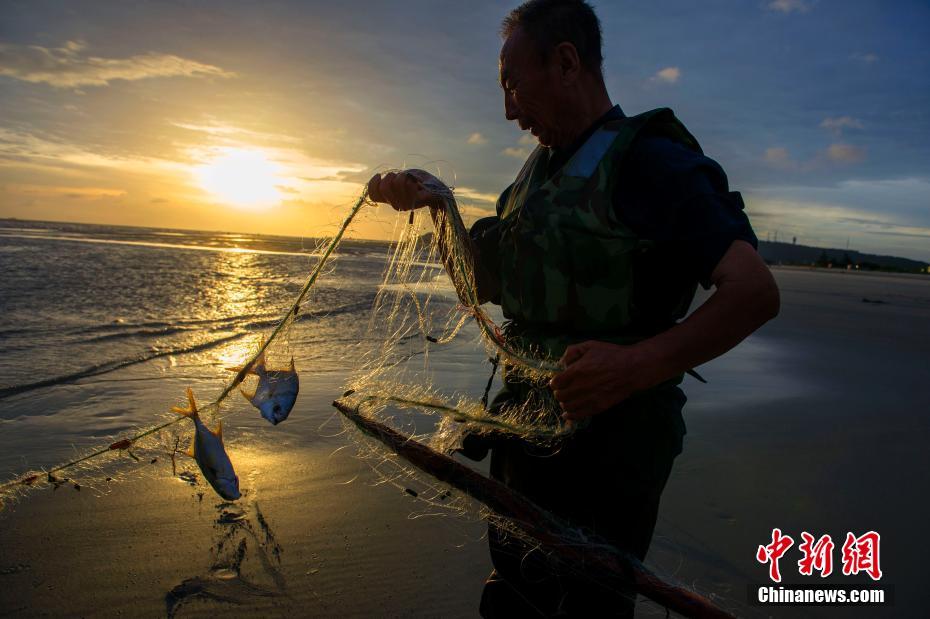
(599, 561)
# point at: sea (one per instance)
(99, 324)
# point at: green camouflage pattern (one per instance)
(566, 259)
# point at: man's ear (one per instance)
(569, 62)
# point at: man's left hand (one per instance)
(597, 376)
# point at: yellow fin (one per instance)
(293, 369)
(191, 410)
(246, 395)
(190, 450)
(219, 430)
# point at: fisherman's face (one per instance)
(533, 89)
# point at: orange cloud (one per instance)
(668, 75)
(517, 153)
(476, 138)
(845, 153)
(54, 191)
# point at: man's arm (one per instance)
(599, 375)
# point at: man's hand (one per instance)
(597, 376)
(406, 190)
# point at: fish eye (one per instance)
(277, 408)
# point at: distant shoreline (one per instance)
(853, 272)
(772, 252)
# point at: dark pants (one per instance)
(606, 480)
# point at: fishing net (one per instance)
(416, 314)
(427, 329)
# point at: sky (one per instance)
(268, 117)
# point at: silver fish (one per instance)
(208, 451)
(276, 392)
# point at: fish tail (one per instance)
(191, 410)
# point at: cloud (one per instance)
(777, 155)
(903, 200)
(476, 138)
(67, 67)
(528, 139)
(517, 153)
(826, 222)
(227, 133)
(836, 125)
(475, 196)
(845, 153)
(26, 148)
(53, 191)
(668, 75)
(789, 6)
(867, 58)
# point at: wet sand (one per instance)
(816, 423)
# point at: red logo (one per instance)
(817, 556)
(773, 552)
(859, 554)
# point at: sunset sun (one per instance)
(241, 177)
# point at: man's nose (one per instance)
(511, 111)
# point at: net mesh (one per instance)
(426, 309)
(415, 314)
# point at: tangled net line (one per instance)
(402, 311)
(366, 389)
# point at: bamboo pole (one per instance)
(596, 560)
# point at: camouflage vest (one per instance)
(567, 260)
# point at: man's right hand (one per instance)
(404, 190)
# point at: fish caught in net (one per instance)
(412, 303)
(267, 389)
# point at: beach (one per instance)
(815, 423)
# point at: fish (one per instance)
(276, 392)
(208, 451)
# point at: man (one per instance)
(595, 254)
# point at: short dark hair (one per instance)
(551, 22)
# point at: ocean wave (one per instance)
(113, 365)
(239, 327)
